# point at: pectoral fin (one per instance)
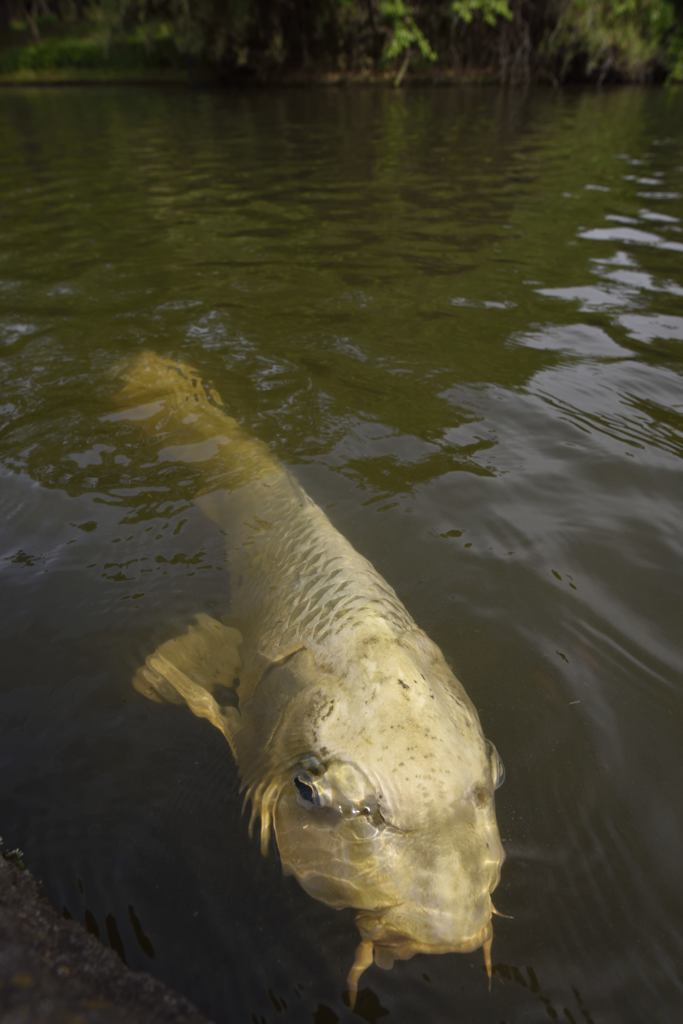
(191, 667)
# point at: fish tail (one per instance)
(170, 401)
(174, 386)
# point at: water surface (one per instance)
(458, 317)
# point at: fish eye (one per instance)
(306, 791)
(497, 766)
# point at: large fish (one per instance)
(355, 742)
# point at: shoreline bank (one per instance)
(52, 970)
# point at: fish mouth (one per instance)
(386, 946)
(391, 946)
(444, 934)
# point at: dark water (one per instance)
(459, 318)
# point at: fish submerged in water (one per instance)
(355, 742)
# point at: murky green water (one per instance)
(458, 317)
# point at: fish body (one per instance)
(356, 743)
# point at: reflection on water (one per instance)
(457, 316)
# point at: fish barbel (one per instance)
(355, 742)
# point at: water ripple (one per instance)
(456, 315)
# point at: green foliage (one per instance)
(85, 55)
(675, 57)
(621, 39)
(58, 53)
(489, 10)
(405, 33)
(101, 40)
(626, 38)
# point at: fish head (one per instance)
(417, 855)
(389, 807)
(424, 888)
